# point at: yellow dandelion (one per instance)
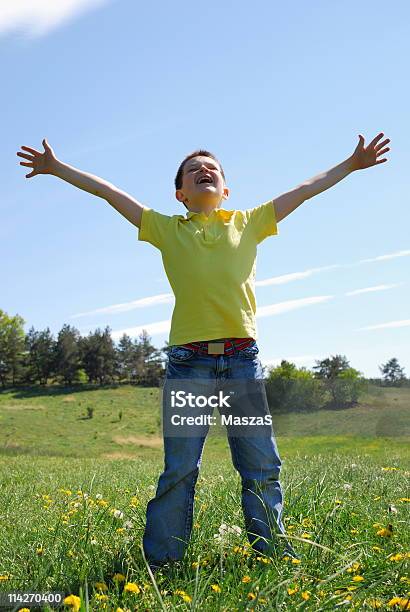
(385, 532)
(354, 531)
(352, 588)
(40, 550)
(251, 596)
(305, 595)
(377, 548)
(338, 501)
(24, 610)
(322, 593)
(375, 603)
(102, 502)
(216, 588)
(404, 499)
(397, 557)
(101, 586)
(187, 598)
(292, 591)
(354, 567)
(389, 469)
(73, 601)
(376, 498)
(358, 578)
(119, 610)
(196, 525)
(402, 602)
(70, 553)
(306, 535)
(131, 587)
(246, 579)
(101, 597)
(405, 579)
(195, 564)
(4, 577)
(262, 600)
(118, 577)
(120, 530)
(296, 561)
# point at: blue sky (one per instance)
(279, 93)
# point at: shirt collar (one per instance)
(222, 211)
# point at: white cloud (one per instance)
(405, 253)
(374, 288)
(37, 17)
(280, 307)
(153, 300)
(402, 323)
(153, 329)
(288, 278)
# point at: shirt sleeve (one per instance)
(262, 219)
(154, 227)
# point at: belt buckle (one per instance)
(216, 348)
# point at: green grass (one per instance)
(53, 422)
(68, 543)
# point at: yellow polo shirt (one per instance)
(210, 263)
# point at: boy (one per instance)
(209, 257)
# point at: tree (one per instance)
(290, 388)
(67, 354)
(148, 361)
(11, 348)
(393, 374)
(331, 368)
(40, 346)
(98, 355)
(125, 355)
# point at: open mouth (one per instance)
(205, 179)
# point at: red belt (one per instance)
(225, 346)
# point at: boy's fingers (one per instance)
(381, 144)
(376, 138)
(25, 155)
(31, 174)
(30, 165)
(33, 151)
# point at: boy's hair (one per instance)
(178, 178)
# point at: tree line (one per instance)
(37, 357)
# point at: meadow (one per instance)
(74, 491)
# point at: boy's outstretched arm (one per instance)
(47, 163)
(362, 157)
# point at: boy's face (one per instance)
(203, 186)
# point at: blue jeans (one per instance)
(170, 512)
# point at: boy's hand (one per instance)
(364, 157)
(42, 163)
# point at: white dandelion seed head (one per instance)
(118, 514)
(98, 496)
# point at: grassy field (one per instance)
(74, 492)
